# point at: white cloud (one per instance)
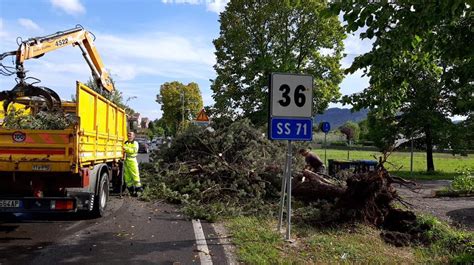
(156, 113)
(355, 46)
(3, 32)
(71, 7)
(354, 83)
(192, 2)
(4, 35)
(160, 47)
(29, 24)
(216, 6)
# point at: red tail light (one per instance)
(62, 205)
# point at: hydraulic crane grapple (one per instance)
(39, 46)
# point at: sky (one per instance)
(143, 43)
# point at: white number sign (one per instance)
(291, 95)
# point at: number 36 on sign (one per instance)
(291, 98)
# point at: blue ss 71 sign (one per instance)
(291, 129)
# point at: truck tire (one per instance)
(102, 196)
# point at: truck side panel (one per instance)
(37, 150)
(102, 128)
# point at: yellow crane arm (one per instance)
(37, 47)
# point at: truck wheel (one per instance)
(102, 196)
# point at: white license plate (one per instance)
(9, 203)
(41, 168)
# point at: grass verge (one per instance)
(258, 242)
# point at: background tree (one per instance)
(175, 98)
(463, 136)
(261, 37)
(364, 130)
(115, 96)
(417, 79)
(155, 129)
(382, 130)
(351, 130)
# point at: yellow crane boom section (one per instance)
(37, 47)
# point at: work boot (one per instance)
(131, 190)
(139, 191)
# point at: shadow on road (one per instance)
(463, 218)
(43, 217)
(108, 248)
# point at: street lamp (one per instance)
(128, 99)
(126, 102)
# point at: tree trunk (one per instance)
(429, 150)
(316, 187)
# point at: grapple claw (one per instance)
(24, 90)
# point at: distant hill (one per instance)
(337, 116)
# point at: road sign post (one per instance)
(325, 127)
(288, 192)
(291, 106)
(325, 151)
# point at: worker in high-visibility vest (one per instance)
(130, 166)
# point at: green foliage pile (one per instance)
(462, 185)
(464, 182)
(446, 244)
(43, 120)
(233, 170)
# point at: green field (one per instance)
(446, 165)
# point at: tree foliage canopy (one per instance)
(175, 98)
(351, 130)
(261, 37)
(420, 65)
(115, 96)
(436, 36)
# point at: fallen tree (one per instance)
(232, 170)
(363, 197)
(235, 170)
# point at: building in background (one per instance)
(144, 123)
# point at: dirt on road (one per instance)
(457, 211)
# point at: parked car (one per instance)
(143, 147)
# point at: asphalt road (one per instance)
(132, 232)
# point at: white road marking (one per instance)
(201, 244)
(74, 225)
